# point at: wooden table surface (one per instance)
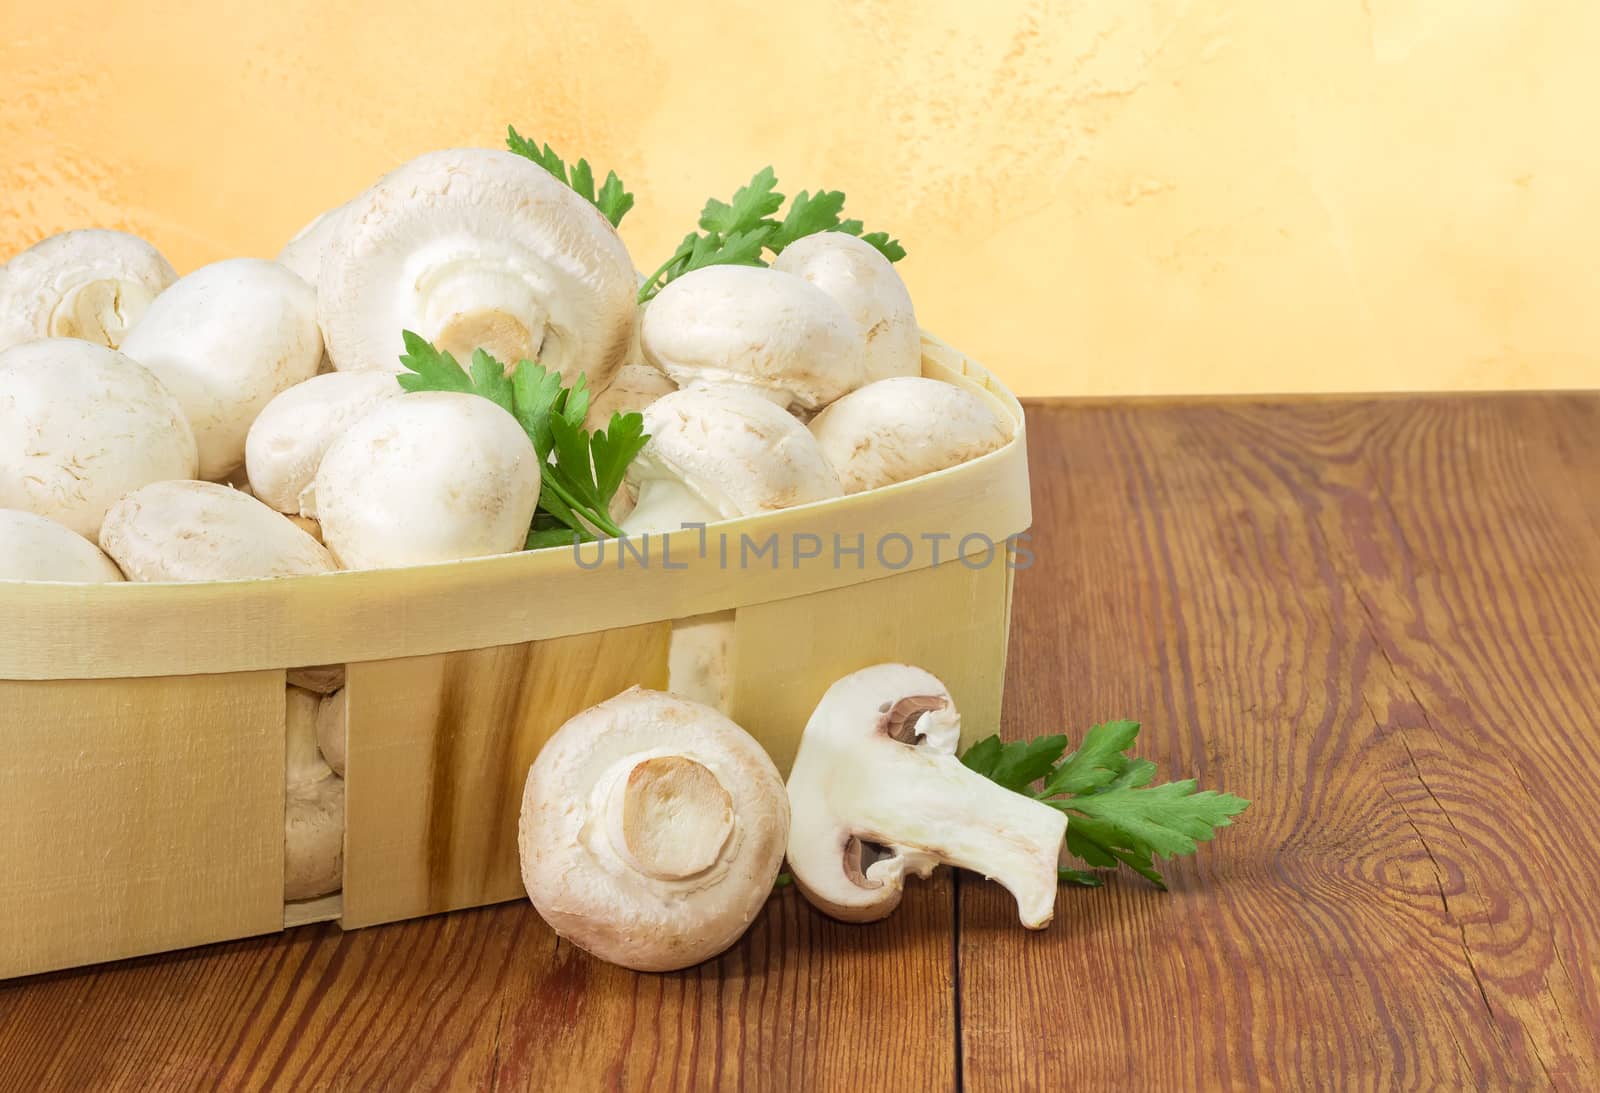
(1378, 619)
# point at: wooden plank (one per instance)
(1378, 620)
(138, 815)
(438, 750)
(950, 619)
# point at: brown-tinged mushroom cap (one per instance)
(473, 248)
(652, 830)
(719, 453)
(202, 531)
(877, 792)
(91, 284)
(36, 548)
(866, 285)
(82, 425)
(759, 329)
(897, 429)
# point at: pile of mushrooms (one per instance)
(244, 421)
(652, 826)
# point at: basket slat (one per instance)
(138, 815)
(439, 748)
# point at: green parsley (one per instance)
(1115, 816)
(581, 471)
(741, 232)
(612, 200)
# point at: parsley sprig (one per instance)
(612, 200)
(1115, 816)
(581, 471)
(741, 232)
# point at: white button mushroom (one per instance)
(313, 814)
(715, 454)
(897, 429)
(865, 283)
(286, 443)
(429, 477)
(877, 792)
(81, 425)
(332, 732)
(202, 531)
(473, 248)
(762, 330)
(36, 548)
(225, 339)
(652, 830)
(635, 387)
(90, 284)
(719, 453)
(303, 254)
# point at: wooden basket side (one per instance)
(138, 815)
(437, 752)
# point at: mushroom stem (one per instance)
(931, 810)
(668, 815)
(667, 504)
(100, 311)
(467, 306)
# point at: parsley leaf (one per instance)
(745, 230)
(581, 472)
(613, 201)
(1115, 816)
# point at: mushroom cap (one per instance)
(332, 731)
(36, 548)
(652, 829)
(866, 285)
(313, 839)
(92, 284)
(902, 428)
(303, 254)
(202, 531)
(876, 793)
(474, 248)
(82, 425)
(748, 326)
(634, 387)
(225, 340)
(427, 477)
(293, 432)
(733, 450)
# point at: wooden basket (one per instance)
(142, 778)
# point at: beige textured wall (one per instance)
(1098, 196)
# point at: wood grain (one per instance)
(437, 752)
(138, 815)
(1379, 620)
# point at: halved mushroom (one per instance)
(91, 284)
(877, 792)
(36, 548)
(896, 429)
(866, 285)
(287, 441)
(652, 829)
(428, 477)
(82, 425)
(473, 248)
(715, 454)
(313, 815)
(760, 330)
(202, 531)
(225, 340)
